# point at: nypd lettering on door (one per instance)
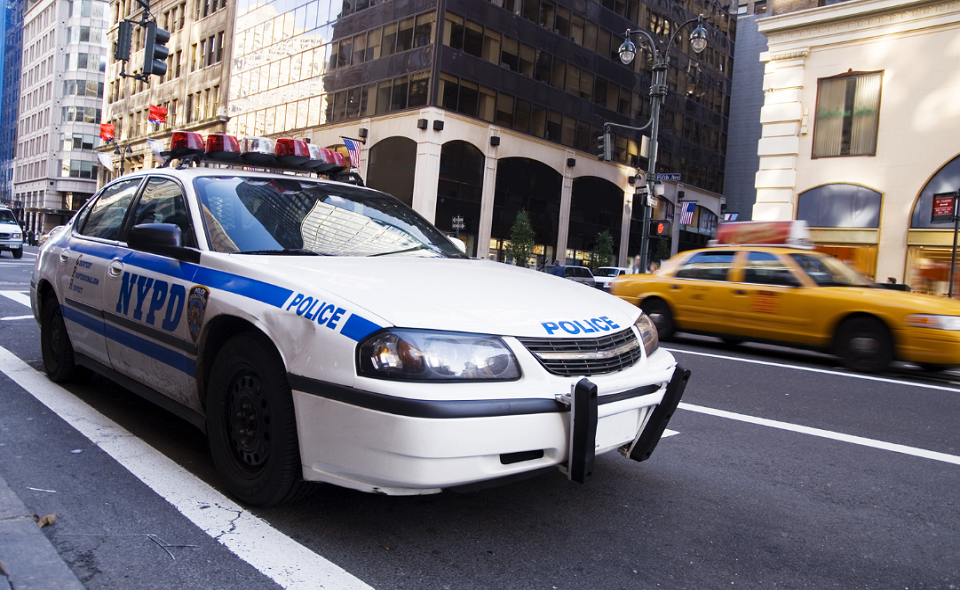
(151, 301)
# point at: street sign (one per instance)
(943, 204)
(458, 222)
(675, 176)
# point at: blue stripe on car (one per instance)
(153, 350)
(358, 327)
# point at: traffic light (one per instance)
(603, 147)
(155, 51)
(124, 34)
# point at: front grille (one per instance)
(585, 356)
(4, 236)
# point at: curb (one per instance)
(28, 561)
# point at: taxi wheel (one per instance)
(251, 424)
(18, 253)
(58, 359)
(865, 345)
(661, 316)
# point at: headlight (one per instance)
(423, 355)
(648, 333)
(16, 236)
(939, 322)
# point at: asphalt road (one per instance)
(787, 472)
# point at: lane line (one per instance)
(813, 370)
(275, 555)
(838, 436)
(18, 317)
(17, 296)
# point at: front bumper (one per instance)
(396, 446)
(11, 244)
(927, 345)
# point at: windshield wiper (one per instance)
(284, 252)
(414, 249)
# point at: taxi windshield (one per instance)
(827, 271)
(255, 215)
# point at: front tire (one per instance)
(251, 423)
(18, 253)
(661, 316)
(864, 345)
(58, 358)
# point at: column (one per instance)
(426, 179)
(563, 229)
(783, 120)
(487, 200)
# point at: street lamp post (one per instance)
(658, 90)
(123, 156)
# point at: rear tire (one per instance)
(251, 423)
(58, 358)
(864, 345)
(661, 316)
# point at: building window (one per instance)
(848, 114)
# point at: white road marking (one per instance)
(838, 436)
(667, 432)
(286, 562)
(813, 370)
(18, 296)
(18, 317)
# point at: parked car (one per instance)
(285, 316)
(579, 274)
(605, 274)
(11, 234)
(796, 296)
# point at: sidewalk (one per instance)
(27, 559)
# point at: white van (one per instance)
(11, 234)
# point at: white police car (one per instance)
(11, 234)
(284, 315)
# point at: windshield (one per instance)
(7, 217)
(827, 271)
(295, 216)
(606, 272)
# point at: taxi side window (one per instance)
(162, 202)
(106, 215)
(707, 266)
(764, 268)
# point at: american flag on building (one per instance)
(353, 148)
(686, 213)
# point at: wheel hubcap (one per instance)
(248, 421)
(864, 346)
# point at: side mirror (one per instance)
(161, 238)
(458, 243)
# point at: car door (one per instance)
(148, 336)
(82, 264)
(700, 291)
(770, 301)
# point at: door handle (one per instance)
(675, 287)
(64, 256)
(739, 292)
(115, 269)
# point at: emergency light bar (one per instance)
(261, 152)
(794, 234)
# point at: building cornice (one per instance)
(858, 16)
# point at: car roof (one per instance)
(192, 172)
(757, 248)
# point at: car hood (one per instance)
(457, 294)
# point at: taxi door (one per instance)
(769, 301)
(148, 337)
(700, 291)
(81, 269)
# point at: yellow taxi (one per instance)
(762, 282)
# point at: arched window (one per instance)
(840, 205)
(460, 191)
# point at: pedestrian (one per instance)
(636, 268)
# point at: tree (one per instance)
(521, 240)
(602, 253)
(663, 250)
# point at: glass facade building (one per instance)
(542, 74)
(10, 63)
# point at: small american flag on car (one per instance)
(686, 213)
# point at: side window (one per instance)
(708, 266)
(162, 202)
(106, 215)
(768, 269)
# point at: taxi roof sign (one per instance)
(794, 234)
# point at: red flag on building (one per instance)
(106, 131)
(158, 114)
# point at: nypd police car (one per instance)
(282, 314)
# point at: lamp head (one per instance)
(627, 50)
(698, 38)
